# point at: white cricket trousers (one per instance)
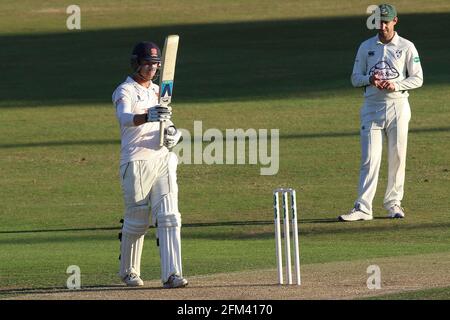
(389, 120)
(151, 183)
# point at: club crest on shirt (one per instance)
(398, 54)
(385, 70)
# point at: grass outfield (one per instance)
(429, 294)
(285, 68)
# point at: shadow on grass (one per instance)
(45, 290)
(106, 288)
(282, 137)
(55, 290)
(185, 225)
(226, 231)
(220, 61)
(338, 228)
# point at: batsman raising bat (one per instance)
(148, 170)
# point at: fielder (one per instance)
(386, 66)
(147, 171)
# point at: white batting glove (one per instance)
(159, 113)
(171, 137)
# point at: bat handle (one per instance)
(161, 133)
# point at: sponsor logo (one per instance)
(416, 59)
(384, 70)
(166, 91)
(371, 53)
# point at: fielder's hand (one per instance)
(376, 80)
(389, 86)
(171, 137)
(159, 113)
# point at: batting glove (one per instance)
(171, 137)
(159, 113)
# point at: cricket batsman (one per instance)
(387, 66)
(147, 171)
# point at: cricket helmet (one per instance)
(145, 51)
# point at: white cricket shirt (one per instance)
(137, 142)
(397, 61)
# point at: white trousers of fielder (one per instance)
(389, 120)
(145, 185)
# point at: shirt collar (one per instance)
(394, 40)
(137, 85)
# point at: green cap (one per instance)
(388, 12)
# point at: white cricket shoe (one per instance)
(396, 212)
(175, 281)
(133, 280)
(355, 215)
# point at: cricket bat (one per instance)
(168, 61)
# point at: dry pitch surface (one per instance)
(337, 280)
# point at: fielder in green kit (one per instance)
(386, 66)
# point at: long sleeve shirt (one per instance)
(137, 142)
(397, 61)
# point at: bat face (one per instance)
(169, 59)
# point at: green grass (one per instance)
(429, 294)
(45, 256)
(50, 16)
(286, 68)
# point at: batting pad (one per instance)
(167, 215)
(136, 220)
(170, 252)
(130, 254)
(164, 197)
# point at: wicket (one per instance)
(287, 241)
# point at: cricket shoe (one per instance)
(175, 281)
(355, 215)
(395, 212)
(133, 280)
